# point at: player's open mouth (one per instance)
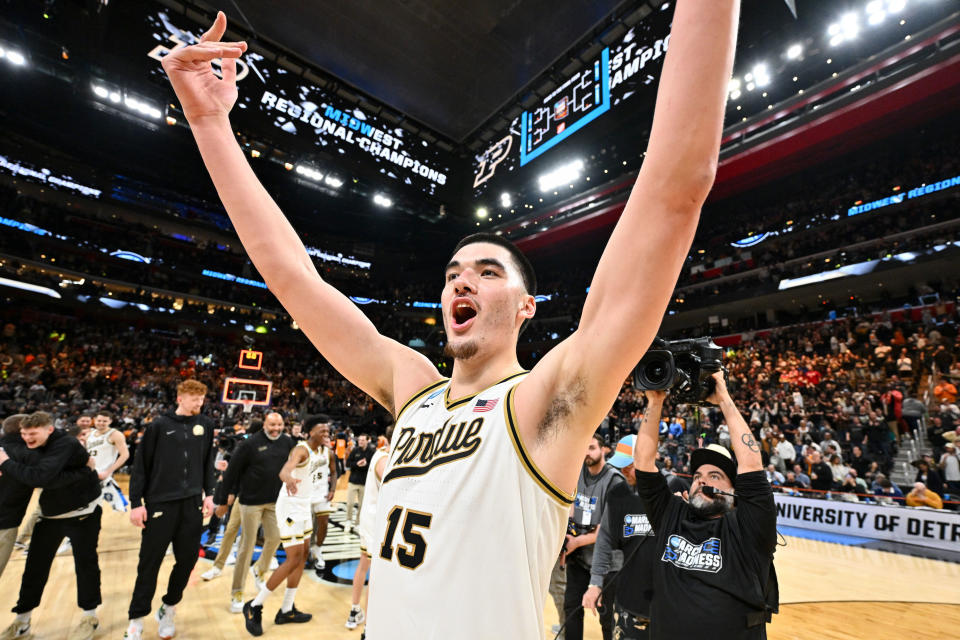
(462, 313)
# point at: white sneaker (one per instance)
(257, 577)
(165, 625)
(232, 559)
(236, 602)
(356, 618)
(211, 573)
(274, 565)
(133, 632)
(317, 555)
(17, 630)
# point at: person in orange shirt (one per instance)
(923, 497)
(945, 392)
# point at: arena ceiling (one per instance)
(449, 65)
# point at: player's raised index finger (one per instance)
(216, 30)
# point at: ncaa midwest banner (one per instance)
(918, 526)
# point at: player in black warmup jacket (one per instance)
(173, 470)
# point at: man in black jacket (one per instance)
(625, 527)
(358, 462)
(713, 576)
(14, 496)
(69, 506)
(253, 475)
(173, 469)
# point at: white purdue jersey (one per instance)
(305, 473)
(103, 452)
(366, 523)
(467, 528)
(320, 476)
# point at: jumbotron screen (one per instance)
(626, 71)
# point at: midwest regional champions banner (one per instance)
(922, 527)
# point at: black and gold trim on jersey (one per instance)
(419, 394)
(552, 490)
(454, 404)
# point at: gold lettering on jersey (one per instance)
(416, 455)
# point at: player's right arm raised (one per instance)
(387, 370)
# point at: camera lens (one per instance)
(656, 373)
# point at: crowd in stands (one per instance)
(840, 395)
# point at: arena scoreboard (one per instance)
(577, 102)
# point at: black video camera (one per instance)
(682, 367)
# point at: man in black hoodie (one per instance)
(69, 506)
(172, 472)
(14, 496)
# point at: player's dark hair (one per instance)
(526, 269)
(311, 421)
(104, 413)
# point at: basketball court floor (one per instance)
(827, 591)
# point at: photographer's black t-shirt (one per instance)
(709, 575)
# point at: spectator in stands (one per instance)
(950, 465)
(888, 493)
(945, 392)
(821, 475)
(921, 496)
(929, 477)
(801, 477)
(774, 477)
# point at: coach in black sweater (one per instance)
(69, 506)
(172, 470)
(254, 477)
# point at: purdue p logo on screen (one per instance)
(684, 554)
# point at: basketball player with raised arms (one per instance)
(474, 500)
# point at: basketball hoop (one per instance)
(247, 405)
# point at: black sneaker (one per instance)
(253, 618)
(292, 616)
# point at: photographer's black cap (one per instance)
(716, 455)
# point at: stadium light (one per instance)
(794, 51)
(875, 12)
(761, 74)
(331, 181)
(382, 201)
(562, 175)
(15, 58)
(845, 30)
(505, 200)
(896, 6)
(309, 172)
(482, 212)
(100, 92)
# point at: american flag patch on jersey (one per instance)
(485, 405)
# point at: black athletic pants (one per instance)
(179, 522)
(578, 579)
(83, 531)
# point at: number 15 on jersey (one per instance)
(409, 555)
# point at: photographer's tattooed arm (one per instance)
(745, 447)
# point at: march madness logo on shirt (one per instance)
(683, 554)
(635, 524)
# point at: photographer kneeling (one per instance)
(714, 577)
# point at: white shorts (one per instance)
(294, 520)
(321, 507)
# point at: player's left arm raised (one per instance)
(571, 389)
